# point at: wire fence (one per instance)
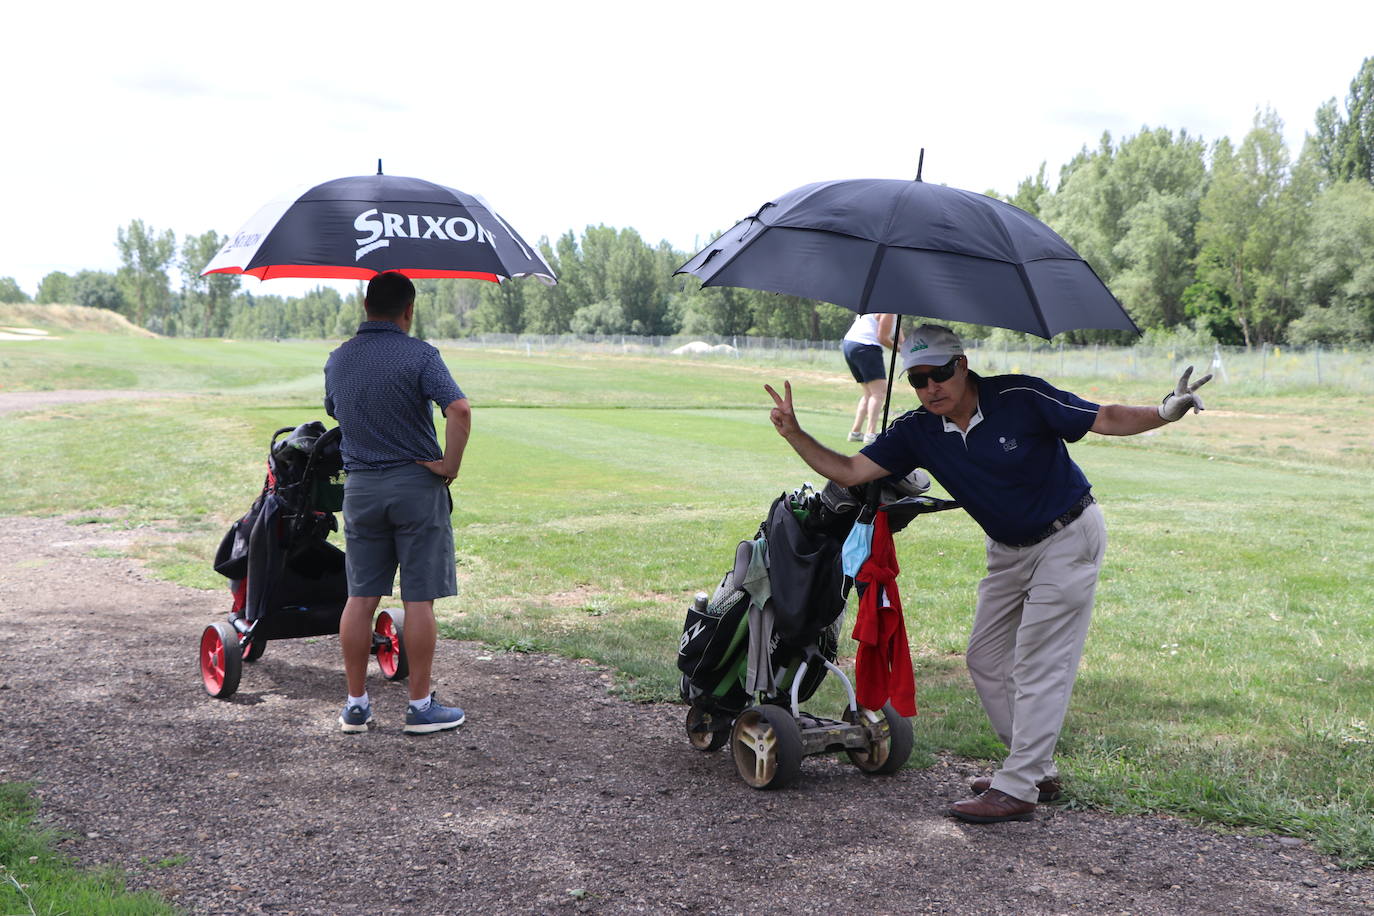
(1257, 368)
(1266, 367)
(753, 349)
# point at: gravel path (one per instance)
(555, 797)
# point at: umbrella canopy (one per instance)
(912, 248)
(356, 228)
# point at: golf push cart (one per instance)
(286, 578)
(761, 645)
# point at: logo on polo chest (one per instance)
(1008, 445)
(381, 227)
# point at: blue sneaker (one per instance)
(434, 719)
(354, 719)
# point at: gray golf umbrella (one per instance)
(913, 248)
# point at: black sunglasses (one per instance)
(938, 374)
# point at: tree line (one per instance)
(1241, 242)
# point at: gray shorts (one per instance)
(398, 517)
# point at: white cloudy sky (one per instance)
(674, 118)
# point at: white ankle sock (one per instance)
(420, 705)
(362, 701)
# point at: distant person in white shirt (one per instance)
(863, 352)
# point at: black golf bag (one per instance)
(800, 542)
(286, 577)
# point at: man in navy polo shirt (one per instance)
(382, 386)
(997, 445)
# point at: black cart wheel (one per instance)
(766, 744)
(389, 643)
(888, 753)
(701, 733)
(221, 663)
(252, 647)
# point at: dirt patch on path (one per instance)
(554, 797)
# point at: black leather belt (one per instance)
(1060, 523)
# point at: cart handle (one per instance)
(922, 504)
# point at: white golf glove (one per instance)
(1177, 402)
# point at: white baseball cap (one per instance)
(930, 345)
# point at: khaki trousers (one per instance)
(1034, 607)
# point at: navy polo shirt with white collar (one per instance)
(1011, 469)
(379, 385)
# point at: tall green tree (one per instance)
(98, 289)
(256, 316)
(613, 279)
(1345, 145)
(798, 318)
(1130, 211)
(55, 287)
(1030, 191)
(548, 309)
(596, 248)
(1253, 218)
(500, 308)
(602, 318)
(724, 311)
(206, 296)
(444, 305)
(145, 254)
(1154, 255)
(11, 291)
(671, 289)
(634, 281)
(1337, 267)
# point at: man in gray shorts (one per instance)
(380, 386)
(997, 444)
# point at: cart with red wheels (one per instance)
(224, 648)
(286, 578)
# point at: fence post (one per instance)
(1218, 365)
(1318, 353)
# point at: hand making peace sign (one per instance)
(783, 417)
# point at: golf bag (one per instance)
(287, 580)
(786, 591)
(284, 574)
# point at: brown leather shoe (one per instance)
(1049, 787)
(992, 807)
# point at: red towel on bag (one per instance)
(882, 667)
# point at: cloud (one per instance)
(351, 99)
(166, 83)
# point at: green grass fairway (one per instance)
(1229, 674)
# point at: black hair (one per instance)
(388, 294)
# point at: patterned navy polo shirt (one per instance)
(1011, 470)
(379, 385)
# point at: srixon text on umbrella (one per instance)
(382, 226)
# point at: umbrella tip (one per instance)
(920, 164)
(379, 167)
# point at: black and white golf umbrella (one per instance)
(355, 228)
